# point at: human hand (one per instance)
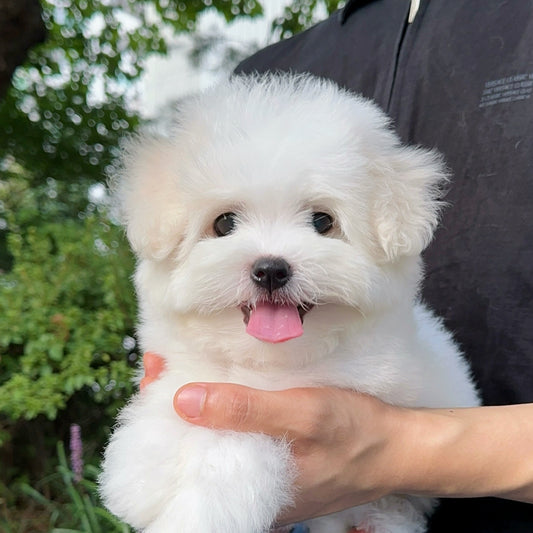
(153, 366)
(337, 437)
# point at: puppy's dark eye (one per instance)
(322, 222)
(224, 224)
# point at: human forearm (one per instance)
(485, 451)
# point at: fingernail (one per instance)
(189, 401)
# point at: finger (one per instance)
(145, 382)
(153, 366)
(229, 406)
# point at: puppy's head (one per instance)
(275, 200)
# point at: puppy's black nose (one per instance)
(270, 273)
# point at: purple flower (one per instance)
(76, 452)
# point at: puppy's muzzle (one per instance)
(271, 273)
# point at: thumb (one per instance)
(235, 407)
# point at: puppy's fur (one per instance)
(273, 151)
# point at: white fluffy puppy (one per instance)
(278, 233)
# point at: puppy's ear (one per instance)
(146, 197)
(409, 184)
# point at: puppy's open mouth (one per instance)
(274, 322)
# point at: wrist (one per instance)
(410, 445)
(427, 464)
(385, 459)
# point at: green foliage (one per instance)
(67, 313)
(75, 96)
(66, 306)
(82, 511)
(301, 14)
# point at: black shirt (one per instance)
(458, 78)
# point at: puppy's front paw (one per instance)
(239, 483)
(197, 479)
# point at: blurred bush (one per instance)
(66, 335)
(67, 309)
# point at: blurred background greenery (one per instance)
(71, 86)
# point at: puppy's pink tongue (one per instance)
(274, 323)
